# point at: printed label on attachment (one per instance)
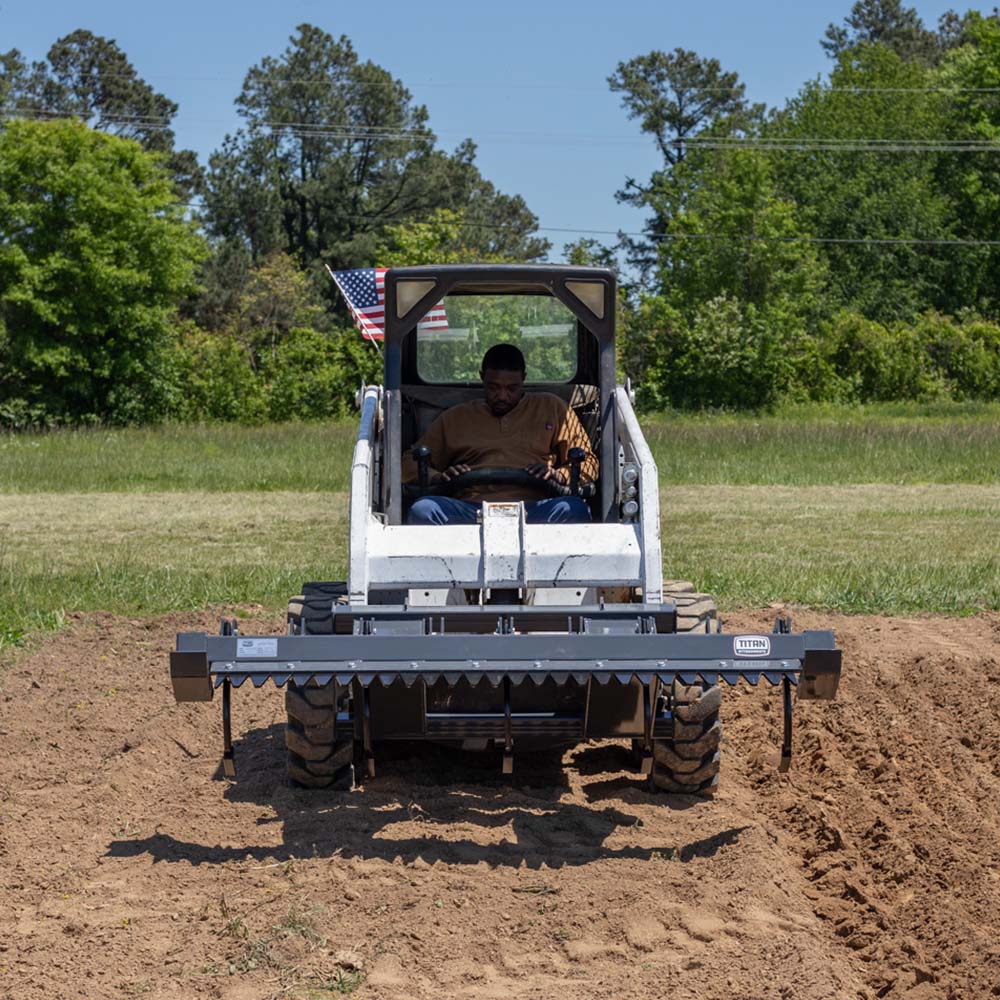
(257, 647)
(758, 646)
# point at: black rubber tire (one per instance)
(318, 757)
(688, 764)
(311, 613)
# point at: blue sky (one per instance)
(525, 80)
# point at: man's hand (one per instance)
(547, 472)
(450, 473)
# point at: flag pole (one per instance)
(362, 321)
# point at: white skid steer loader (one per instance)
(503, 634)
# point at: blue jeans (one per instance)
(446, 510)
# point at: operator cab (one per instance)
(440, 321)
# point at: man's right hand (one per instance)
(450, 473)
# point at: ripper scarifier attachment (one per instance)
(503, 634)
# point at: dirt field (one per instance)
(128, 867)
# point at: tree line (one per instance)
(842, 247)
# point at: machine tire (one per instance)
(688, 764)
(318, 756)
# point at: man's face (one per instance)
(503, 390)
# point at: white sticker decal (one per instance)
(758, 646)
(257, 647)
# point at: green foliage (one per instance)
(738, 357)
(730, 233)
(95, 257)
(864, 195)
(887, 23)
(444, 238)
(728, 355)
(308, 375)
(13, 81)
(326, 193)
(276, 298)
(674, 95)
(89, 77)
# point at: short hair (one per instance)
(504, 358)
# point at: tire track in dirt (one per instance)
(129, 868)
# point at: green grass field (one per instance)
(886, 509)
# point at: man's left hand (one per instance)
(547, 472)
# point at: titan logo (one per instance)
(752, 645)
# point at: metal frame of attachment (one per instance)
(511, 648)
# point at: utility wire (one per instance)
(706, 237)
(309, 130)
(516, 85)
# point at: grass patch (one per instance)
(871, 548)
(879, 509)
(136, 554)
(815, 446)
(875, 548)
(219, 458)
(806, 446)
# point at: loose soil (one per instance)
(130, 867)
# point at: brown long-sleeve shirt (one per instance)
(540, 430)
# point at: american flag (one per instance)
(364, 292)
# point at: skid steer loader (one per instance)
(503, 634)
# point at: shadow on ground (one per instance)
(438, 804)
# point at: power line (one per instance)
(537, 85)
(318, 130)
(708, 237)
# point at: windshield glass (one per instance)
(450, 348)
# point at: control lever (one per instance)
(422, 455)
(576, 457)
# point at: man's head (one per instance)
(503, 378)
